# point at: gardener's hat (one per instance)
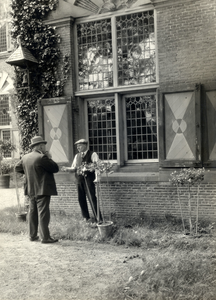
(37, 140)
(82, 141)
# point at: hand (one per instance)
(72, 170)
(64, 169)
(48, 154)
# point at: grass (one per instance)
(172, 266)
(170, 274)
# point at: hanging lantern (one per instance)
(23, 58)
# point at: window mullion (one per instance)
(119, 130)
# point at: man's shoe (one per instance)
(35, 238)
(49, 241)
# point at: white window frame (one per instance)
(115, 87)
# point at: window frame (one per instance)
(9, 110)
(9, 129)
(9, 45)
(133, 161)
(86, 118)
(115, 87)
(120, 125)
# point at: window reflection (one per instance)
(95, 59)
(102, 127)
(141, 127)
(134, 50)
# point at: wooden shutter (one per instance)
(55, 125)
(209, 136)
(181, 129)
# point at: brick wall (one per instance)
(132, 198)
(186, 44)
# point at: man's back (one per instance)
(38, 170)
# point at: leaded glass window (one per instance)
(3, 37)
(5, 118)
(102, 127)
(141, 124)
(127, 40)
(5, 136)
(136, 48)
(95, 58)
(116, 54)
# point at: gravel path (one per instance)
(64, 270)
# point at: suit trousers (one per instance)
(86, 187)
(39, 216)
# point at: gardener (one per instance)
(39, 185)
(85, 182)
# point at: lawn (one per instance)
(171, 265)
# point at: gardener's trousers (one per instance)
(86, 187)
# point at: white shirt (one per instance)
(94, 158)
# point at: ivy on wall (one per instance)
(42, 41)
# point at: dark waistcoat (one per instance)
(85, 159)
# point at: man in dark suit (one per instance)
(85, 183)
(39, 185)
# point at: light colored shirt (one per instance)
(94, 158)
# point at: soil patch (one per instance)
(64, 270)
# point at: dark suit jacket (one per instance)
(38, 170)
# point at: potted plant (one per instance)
(5, 166)
(188, 177)
(99, 167)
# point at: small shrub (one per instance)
(188, 177)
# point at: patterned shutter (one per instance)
(55, 125)
(182, 129)
(209, 148)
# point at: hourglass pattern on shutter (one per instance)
(180, 126)
(56, 131)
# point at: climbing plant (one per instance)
(42, 41)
